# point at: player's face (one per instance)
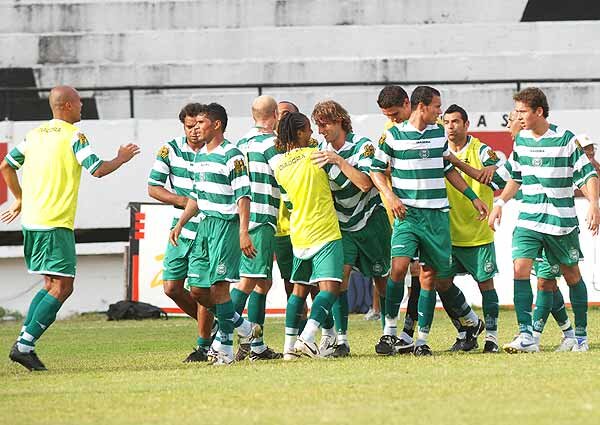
(189, 123)
(204, 129)
(527, 117)
(513, 124)
(432, 111)
(397, 114)
(456, 128)
(282, 108)
(330, 130)
(304, 135)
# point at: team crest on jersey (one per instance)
(536, 162)
(221, 269)
(488, 267)
(382, 139)
(555, 268)
(574, 254)
(82, 139)
(369, 151)
(493, 155)
(312, 143)
(424, 153)
(239, 166)
(163, 152)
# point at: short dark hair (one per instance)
(287, 130)
(391, 96)
(455, 108)
(293, 105)
(424, 95)
(534, 98)
(190, 110)
(215, 112)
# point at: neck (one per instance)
(62, 118)
(540, 128)
(214, 143)
(194, 146)
(339, 142)
(417, 121)
(265, 126)
(457, 145)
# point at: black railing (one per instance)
(10, 94)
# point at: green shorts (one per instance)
(563, 249)
(326, 264)
(50, 252)
(284, 255)
(175, 263)
(368, 249)
(542, 268)
(215, 255)
(261, 266)
(478, 261)
(424, 233)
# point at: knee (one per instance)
(521, 270)
(443, 284)
(264, 286)
(487, 285)
(172, 289)
(427, 278)
(547, 285)
(571, 274)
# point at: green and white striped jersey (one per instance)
(417, 163)
(353, 207)
(547, 169)
(220, 180)
(174, 163)
(259, 149)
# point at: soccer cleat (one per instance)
(305, 348)
(581, 347)
(222, 359)
(290, 355)
(211, 355)
(372, 315)
(198, 355)
(243, 349)
(341, 350)
(29, 360)
(404, 347)
(423, 350)
(327, 345)
(267, 354)
(457, 346)
(519, 345)
(470, 342)
(490, 347)
(566, 344)
(386, 344)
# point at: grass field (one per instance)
(131, 373)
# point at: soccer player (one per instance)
(394, 103)
(51, 156)
(365, 228)
(418, 154)
(258, 146)
(222, 193)
(315, 233)
(473, 250)
(174, 163)
(546, 162)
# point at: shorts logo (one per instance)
(369, 151)
(424, 153)
(377, 268)
(574, 254)
(488, 267)
(221, 269)
(555, 268)
(536, 162)
(163, 152)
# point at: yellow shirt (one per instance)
(52, 156)
(465, 228)
(283, 221)
(313, 220)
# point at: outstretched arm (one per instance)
(12, 182)
(124, 154)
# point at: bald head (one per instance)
(65, 103)
(264, 107)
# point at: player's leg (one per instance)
(491, 312)
(457, 268)
(547, 275)
(559, 312)
(293, 313)
(175, 268)
(411, 317)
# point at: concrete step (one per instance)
(281, 44)
(45, 16)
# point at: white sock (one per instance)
(258, 348)
(310, 330)
(406, 337)
(342, 339)
(569, 334)
(24, 348)
(527, 338)
(291, 335)
(391, 325)
(328, 332)
(491, 336)
(245, 329)
(23, 328)
(216, 344)
(422, 338)
(536, 336)
(470, 319)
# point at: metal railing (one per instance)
(11, 93)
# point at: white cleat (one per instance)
(581, 347)
(305, 348)
(290, 355)
(566, 344)
(327, 345)
(520, 345)
(222, 359)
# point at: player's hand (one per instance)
(12, 212)
(174, 235)
(487, 174)
(593, 219)
(482, 208)
(325, 157)
(128, 151)
(495, 217)
(246, 245)
(397, 207)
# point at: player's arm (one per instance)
(9, 174)
(463, 166)
(509, 192)
(240, 183)
(124, 154)
(360, 179)
(165, 196)
(456, 180)
(380, 181)
(593, 215)
(190, 210)
(246, 245)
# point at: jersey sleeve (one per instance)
(238, 175)
(383, 153)
(366, 151)
(85, 154)
(583, 170)
(161, 168)
(16, 157)
(488, 156)
(286, 199)
(447, 164)
(515, 166)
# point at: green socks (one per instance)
(523, 299)
(543, 306)
(293, 312)
(256, 314)
(340, 313)
(579, 303)
(559, 312)
(225, 315)
(394, 292)
(43, 316)
(491, 310)
(34, 303)
(382, 310)
(239, 298)
(321, 306)
(426, 309)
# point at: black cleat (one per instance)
(341, 350)
(268, 354)
(198, 355)
(386, 344)
(242, 352)
(404, 347)
(457, 346)
(423, 350)
(490, 347)
(29, 360)
(473, 332)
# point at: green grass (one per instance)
(131, 373)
